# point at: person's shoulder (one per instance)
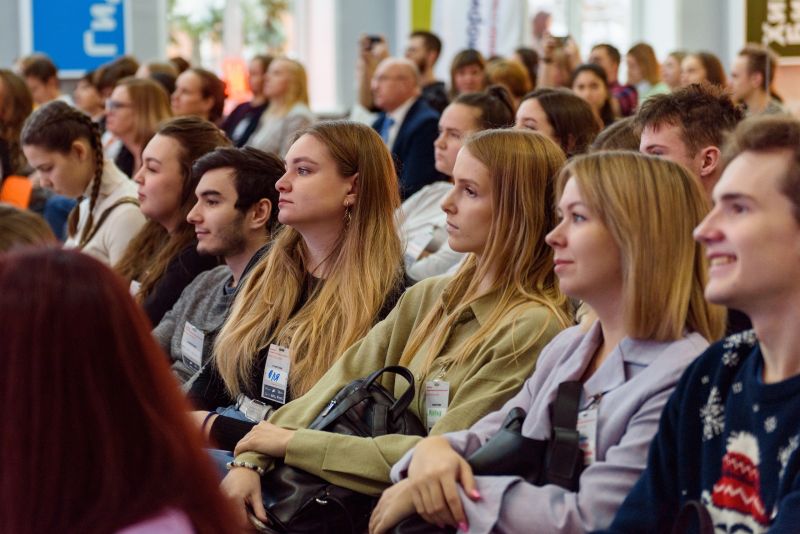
(422, 112)
(723, 359)
(433, 285)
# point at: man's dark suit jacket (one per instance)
(413, 148)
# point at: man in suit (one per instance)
(407, 124)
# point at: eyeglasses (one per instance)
(113, 105)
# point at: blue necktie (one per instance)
(387, 125)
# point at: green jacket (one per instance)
(490, 377)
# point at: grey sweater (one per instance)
(204, 304)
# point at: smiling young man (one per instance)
(729, 435)
(236, 210)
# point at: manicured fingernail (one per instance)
(463, 526)
(475, 494)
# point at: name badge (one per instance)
(135, 287)
(587, 430)
(437, 397)
(276, 374)
(192, 346)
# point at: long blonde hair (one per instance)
(298, 88)
(650, 206)
(523, 166)
(364, 267)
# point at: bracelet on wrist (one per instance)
(246, 465)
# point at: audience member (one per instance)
(234, 218)
(528, 58)
(164, 73)
(540, 30)
(243, 120)
(88, 99)
(561, 57)
(108, 75)
(423, 223)
(467, 73)
(671, 69)
(622, 135)
(104, 438)
(752, 74)
(644, 72)
(608, 58)
(407, 124)
(589, 82)
(20, 228)
(63, 146)
(180, 64)
(338, 262)
(16, 104)
(652, 321)
(480, 332)
(511, 75)
(728, 435)
(41, 76)
(136, 108)
(286, 89)
(423, 49)
(163, 258)
(702, 67)
(562, 116)
(200, 93)
(688, 127)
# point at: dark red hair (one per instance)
(95, 434)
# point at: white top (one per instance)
(275, 134)
(122, 224)
(423, 229)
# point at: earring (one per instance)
(347, 216)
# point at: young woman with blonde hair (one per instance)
(162, 259)
(652, 321)
(477, 333)
(63, 146)
(286, 88)
(644, 72)
(333, 270)
(136, 108)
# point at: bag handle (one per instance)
(406, 398)
(565, 458)
(693, 510)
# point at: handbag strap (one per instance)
(565, 458)
(104, 216)
(404, 401)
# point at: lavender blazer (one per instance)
(634, 382)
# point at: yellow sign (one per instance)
(776, 24)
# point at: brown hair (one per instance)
(702, 112)
(761, 60)
(105, 438)
(22, 227)
(465, 58)
(645, 57)
(622, 135)
(571, 117)
(150, 252)
(17, 106)
(511, 74)
(211, 87)
(56, 126)
(494, 104)
(715, 72)
(108, 75)
(150, 104)
(39, 66)
(763, 134)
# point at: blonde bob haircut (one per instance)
(364, 267)
(150, 104)
(651, 206)
(523, 166)
(298, 88)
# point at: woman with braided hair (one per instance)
(63, 146)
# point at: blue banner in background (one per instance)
(79, 35)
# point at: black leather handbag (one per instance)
(558, 460)
(297, 501)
